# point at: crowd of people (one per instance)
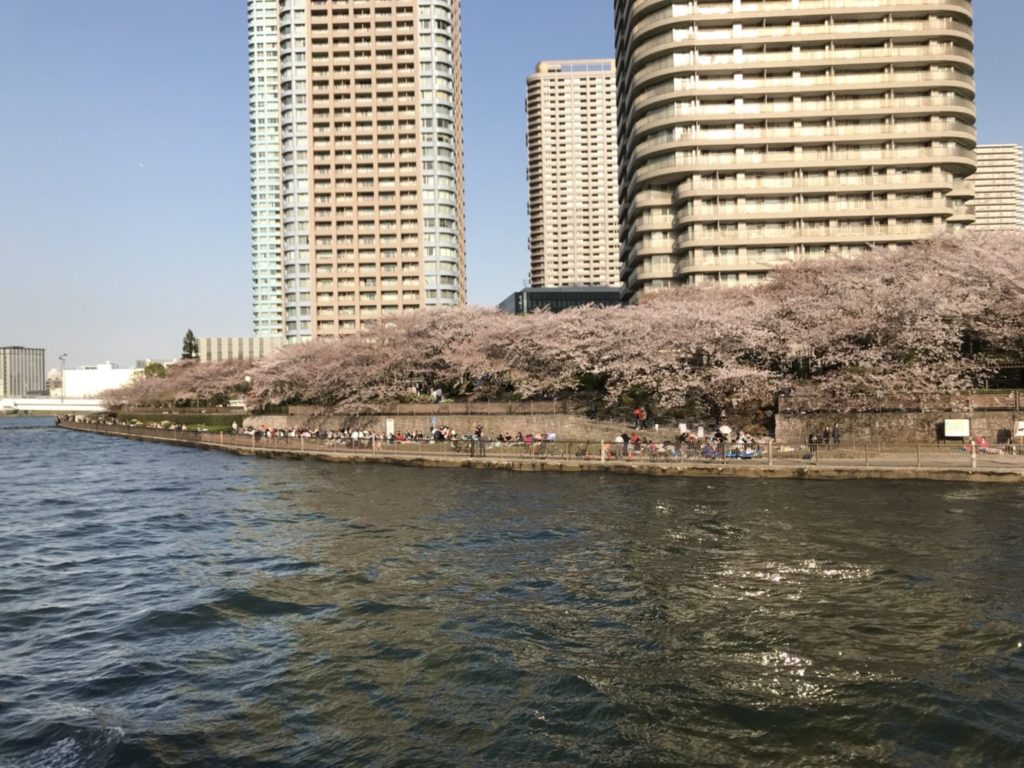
(829, 436)
(438, 434)
(645, 442)
(707, 444)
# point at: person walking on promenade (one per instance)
(648, 416)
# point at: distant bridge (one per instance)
(50, 405)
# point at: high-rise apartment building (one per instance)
(370, 143)
(265, 168)
(758, 132)
(573, 174)
(999, 187)
(22, 371)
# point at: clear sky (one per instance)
(124, 190)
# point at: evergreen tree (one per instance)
(155, 370)
(189, 346)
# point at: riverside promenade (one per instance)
(919, 462)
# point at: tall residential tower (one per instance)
(265, 169)
(758, 132)
(572, 174)
(370, 156)
(999, 187)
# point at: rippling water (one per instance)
(165, 606)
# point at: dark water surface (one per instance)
(165, 606)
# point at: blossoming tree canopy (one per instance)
(937, 316)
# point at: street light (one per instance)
(62, 358)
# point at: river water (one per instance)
(166, 606)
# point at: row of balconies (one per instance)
(809, 233)
(945, 105)
(826, 126)
(323, 284)
(645, 271)
(758, 185)
(758, 65)
(770, 9)
(878, 208)
(812, 85)
(801, 232)
(805, 211)
(837, 134)
(878, 58)
(367, 305)
(736, 35)
(817, 107)
(802, 59)
(667, 169)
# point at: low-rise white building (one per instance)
(93, 380)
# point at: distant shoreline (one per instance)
(782, 469)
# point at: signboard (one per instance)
(957, 428)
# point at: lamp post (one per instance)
(62, 358)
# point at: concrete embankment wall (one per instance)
(795, 429)
(904, 418)
(782, 469)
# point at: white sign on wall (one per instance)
(957, 428)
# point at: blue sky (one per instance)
(124, 214)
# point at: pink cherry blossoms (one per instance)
(938, 316)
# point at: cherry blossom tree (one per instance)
(938, 316)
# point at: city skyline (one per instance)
(125, 211)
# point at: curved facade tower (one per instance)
(369, 147)
(757, 132)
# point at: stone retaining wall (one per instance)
(796, 428)
(564, 426)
